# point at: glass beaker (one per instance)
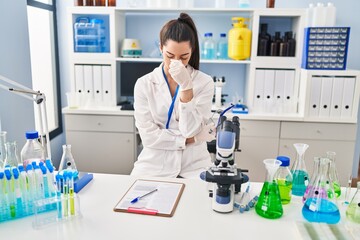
(312, 179)
(353, 210)
(67, 160)
(2, 148)
(318, 206)
(334, 177)
(298, 170)
(11, 156)
(269, 202)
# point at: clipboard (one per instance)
(162, 202)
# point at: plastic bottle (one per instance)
(319, 17)
(32, 150)
(330, 15)
(220, 3)
(222, 47)
(209, 46)
(244, 3)
(239, 42)
(269, 202)
(284, 179)
(310, 15)
(353, 210)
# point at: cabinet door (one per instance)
(317, 148)
(253, 151)
(102, 152)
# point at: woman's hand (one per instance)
(180, 74)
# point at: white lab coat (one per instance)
(164, 151)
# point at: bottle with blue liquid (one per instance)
(209, 47)
(318, 207)
(298, 170)
(222, 47)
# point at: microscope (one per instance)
(227, 178)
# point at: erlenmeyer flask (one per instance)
(11, 156)
(67, 160)
(269, 202)
(2, 148)
(318, 206)
(334, 177)
(298, 170)
(312, 178)
(353, 210)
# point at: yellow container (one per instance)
(239, 43)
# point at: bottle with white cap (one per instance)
(330, 15)
(319, 17)
(310, 15)
(32, 151)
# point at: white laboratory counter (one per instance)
(193, 218)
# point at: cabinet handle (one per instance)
(99, 124)
(285, 146)
(318, 131)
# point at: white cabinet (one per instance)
(101, 142)
(321, 137)
(259, 140)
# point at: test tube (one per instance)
(72, 194)
(10, 193)
(58, 195)
(17, 193)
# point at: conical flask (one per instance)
(334, 177)
(353, 210)
(298, 170)
(67, 160)
(312, 178)
(11, 156)
(318, 206)
(269, 202)
(2, 148)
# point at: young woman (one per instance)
(172, 106)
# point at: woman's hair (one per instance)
(180, 30)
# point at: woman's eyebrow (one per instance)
(174, 54)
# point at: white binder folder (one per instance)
(259, 90)
(106, 81)
(289, 92)
(325, 99)
(79, 79)
(348, 97)
(336, 97)
(97, 74)
(269, 82)
(88, 81)
(279, 90)
(315, 91)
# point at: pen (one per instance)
(138, 198)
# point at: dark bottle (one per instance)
(283, 50)
(78, 3)
(264, 42)
(291, 44)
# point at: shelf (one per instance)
(216, 11)
(120, 59)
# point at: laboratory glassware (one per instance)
(2, 148)
(319, 207)
(298, 170)
(269, 202)
(334, 177)
(67, 160)
(284, 179)
(353, 210)
(312, 179)
(12, 157)
(32, 151)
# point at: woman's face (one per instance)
(174, 50)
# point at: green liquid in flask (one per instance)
(269, 203)
(337, 189)
(353, 212)
(285, 190)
